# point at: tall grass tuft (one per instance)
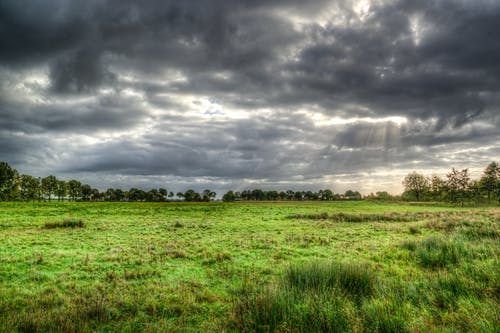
(67, 223)
(311, 297)
(352, 279)
(356, 218)
(282, 309)
(448, 290)
(385, 316)
(414, 230)
(436, 252)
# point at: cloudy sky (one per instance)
(284, 94)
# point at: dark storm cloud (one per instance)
(380, 65)
(101, 114)
(245, 149)
(246, 89)
(79, 72)
(390, 135)
(34, 31)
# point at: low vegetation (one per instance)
(387, 217)
(67, 223)
(313, 297)
(349, 266)
(437, 252)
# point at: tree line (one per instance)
(14, 186)
(261, 195)
(457, 186)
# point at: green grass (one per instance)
(311, 297)
(213, 267)
(352, 279)
(435, 252)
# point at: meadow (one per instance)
(255, 267)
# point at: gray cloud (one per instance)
(249, 92)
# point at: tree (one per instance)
(298, 195)
(29, 187)
(208, 195)
(416, 185)
(164, 193)
(437, 188)
(49, 186)
(229, 196)
(309, 195)
(192, 195)
(155, 195)
(135, 194)
(272, 195)
(95, 195)
(110, 195)
(246, 195)
(383, 195)
(352, 195)
(61, 189)
(74, 189)
(87, 193)
(326, 195)
(8, 177)
(458, 185)
(258, 194)
(490, 181)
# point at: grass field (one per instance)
(288, 266)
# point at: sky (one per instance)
(241, 94)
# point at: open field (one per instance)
(287, 266)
